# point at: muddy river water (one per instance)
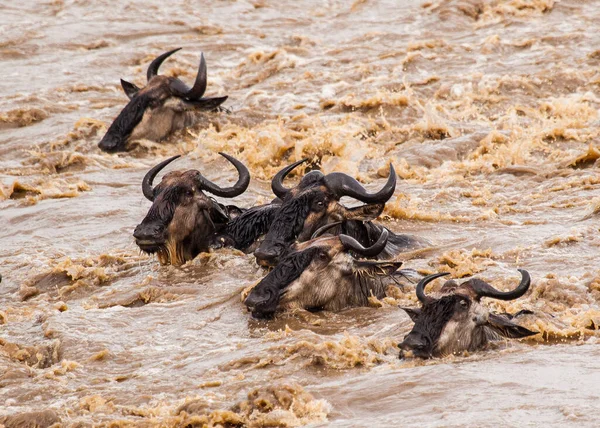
(487, 108)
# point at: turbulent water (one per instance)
(487, 109)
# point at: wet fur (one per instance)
(309, 280)
(243, 231)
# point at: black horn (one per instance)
(149, 177)
(277, 183)
(200, 84)
(324, 229)
(352, 244)
(228, 192)
(343, 185)
(155, 65)
(423, 298)
(483, 289)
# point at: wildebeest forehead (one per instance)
(157, 88)
(309, 191)
(465, 289)
(289, 221)
(436, 314)
(180, 178)
(312, 179)
(163, 207)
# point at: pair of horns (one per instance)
(203, 183)
(340, 184)
(350, 243)
(178, 87)
(481, 288)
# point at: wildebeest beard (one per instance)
(160, 216)
(431, 321)
(122, 127)
(274, 284)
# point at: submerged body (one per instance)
(456, 321)
(323, 274)
(315, 203)
(163, 106)
(183, 221)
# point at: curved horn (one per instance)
(343, 185)
(149, 177)
(200, 84)
(277, 183)
(423, 298)
(228, 192)
(483, 289)
(325, 228)
(154, 65)
(352, 244)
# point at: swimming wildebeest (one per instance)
(315, 202)
(323, 274)
(163, 106)
(183, 221)
(456, 321)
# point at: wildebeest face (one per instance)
(164, 105)
(321, 273)
(457, 321)
(314, 203)
(182, 218)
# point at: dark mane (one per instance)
(244, 229)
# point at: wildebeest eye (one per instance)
(189, 193)
(323, 256)
(318, 205)
(463, 304)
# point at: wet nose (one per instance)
(255, 300)
(414, 342)
(266, 255)
(147, 232)
(110, 144)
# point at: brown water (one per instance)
(489, 111)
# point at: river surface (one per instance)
(488, 110)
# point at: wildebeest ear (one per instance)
(413, 313)
(364, 212)
(233, 211)
(376, 268)
(218, 214)
(507, 328)
(207, 104)
(129, 88)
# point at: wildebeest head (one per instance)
(313, 203)
(182, 217)
(323, 274)
(457, 321)
(164, 105)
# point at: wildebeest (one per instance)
(183, 221)
(323, 274)
(456, 321)
(315, 202)
(163, 106)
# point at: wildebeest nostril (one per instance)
(266, 254)
(147, 232)
(256, 300)
(110, 145)
(414, 342)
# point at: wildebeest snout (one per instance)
(149, 233)
(415, 345)
(262, 303)
(268, 253)
(111, 143)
